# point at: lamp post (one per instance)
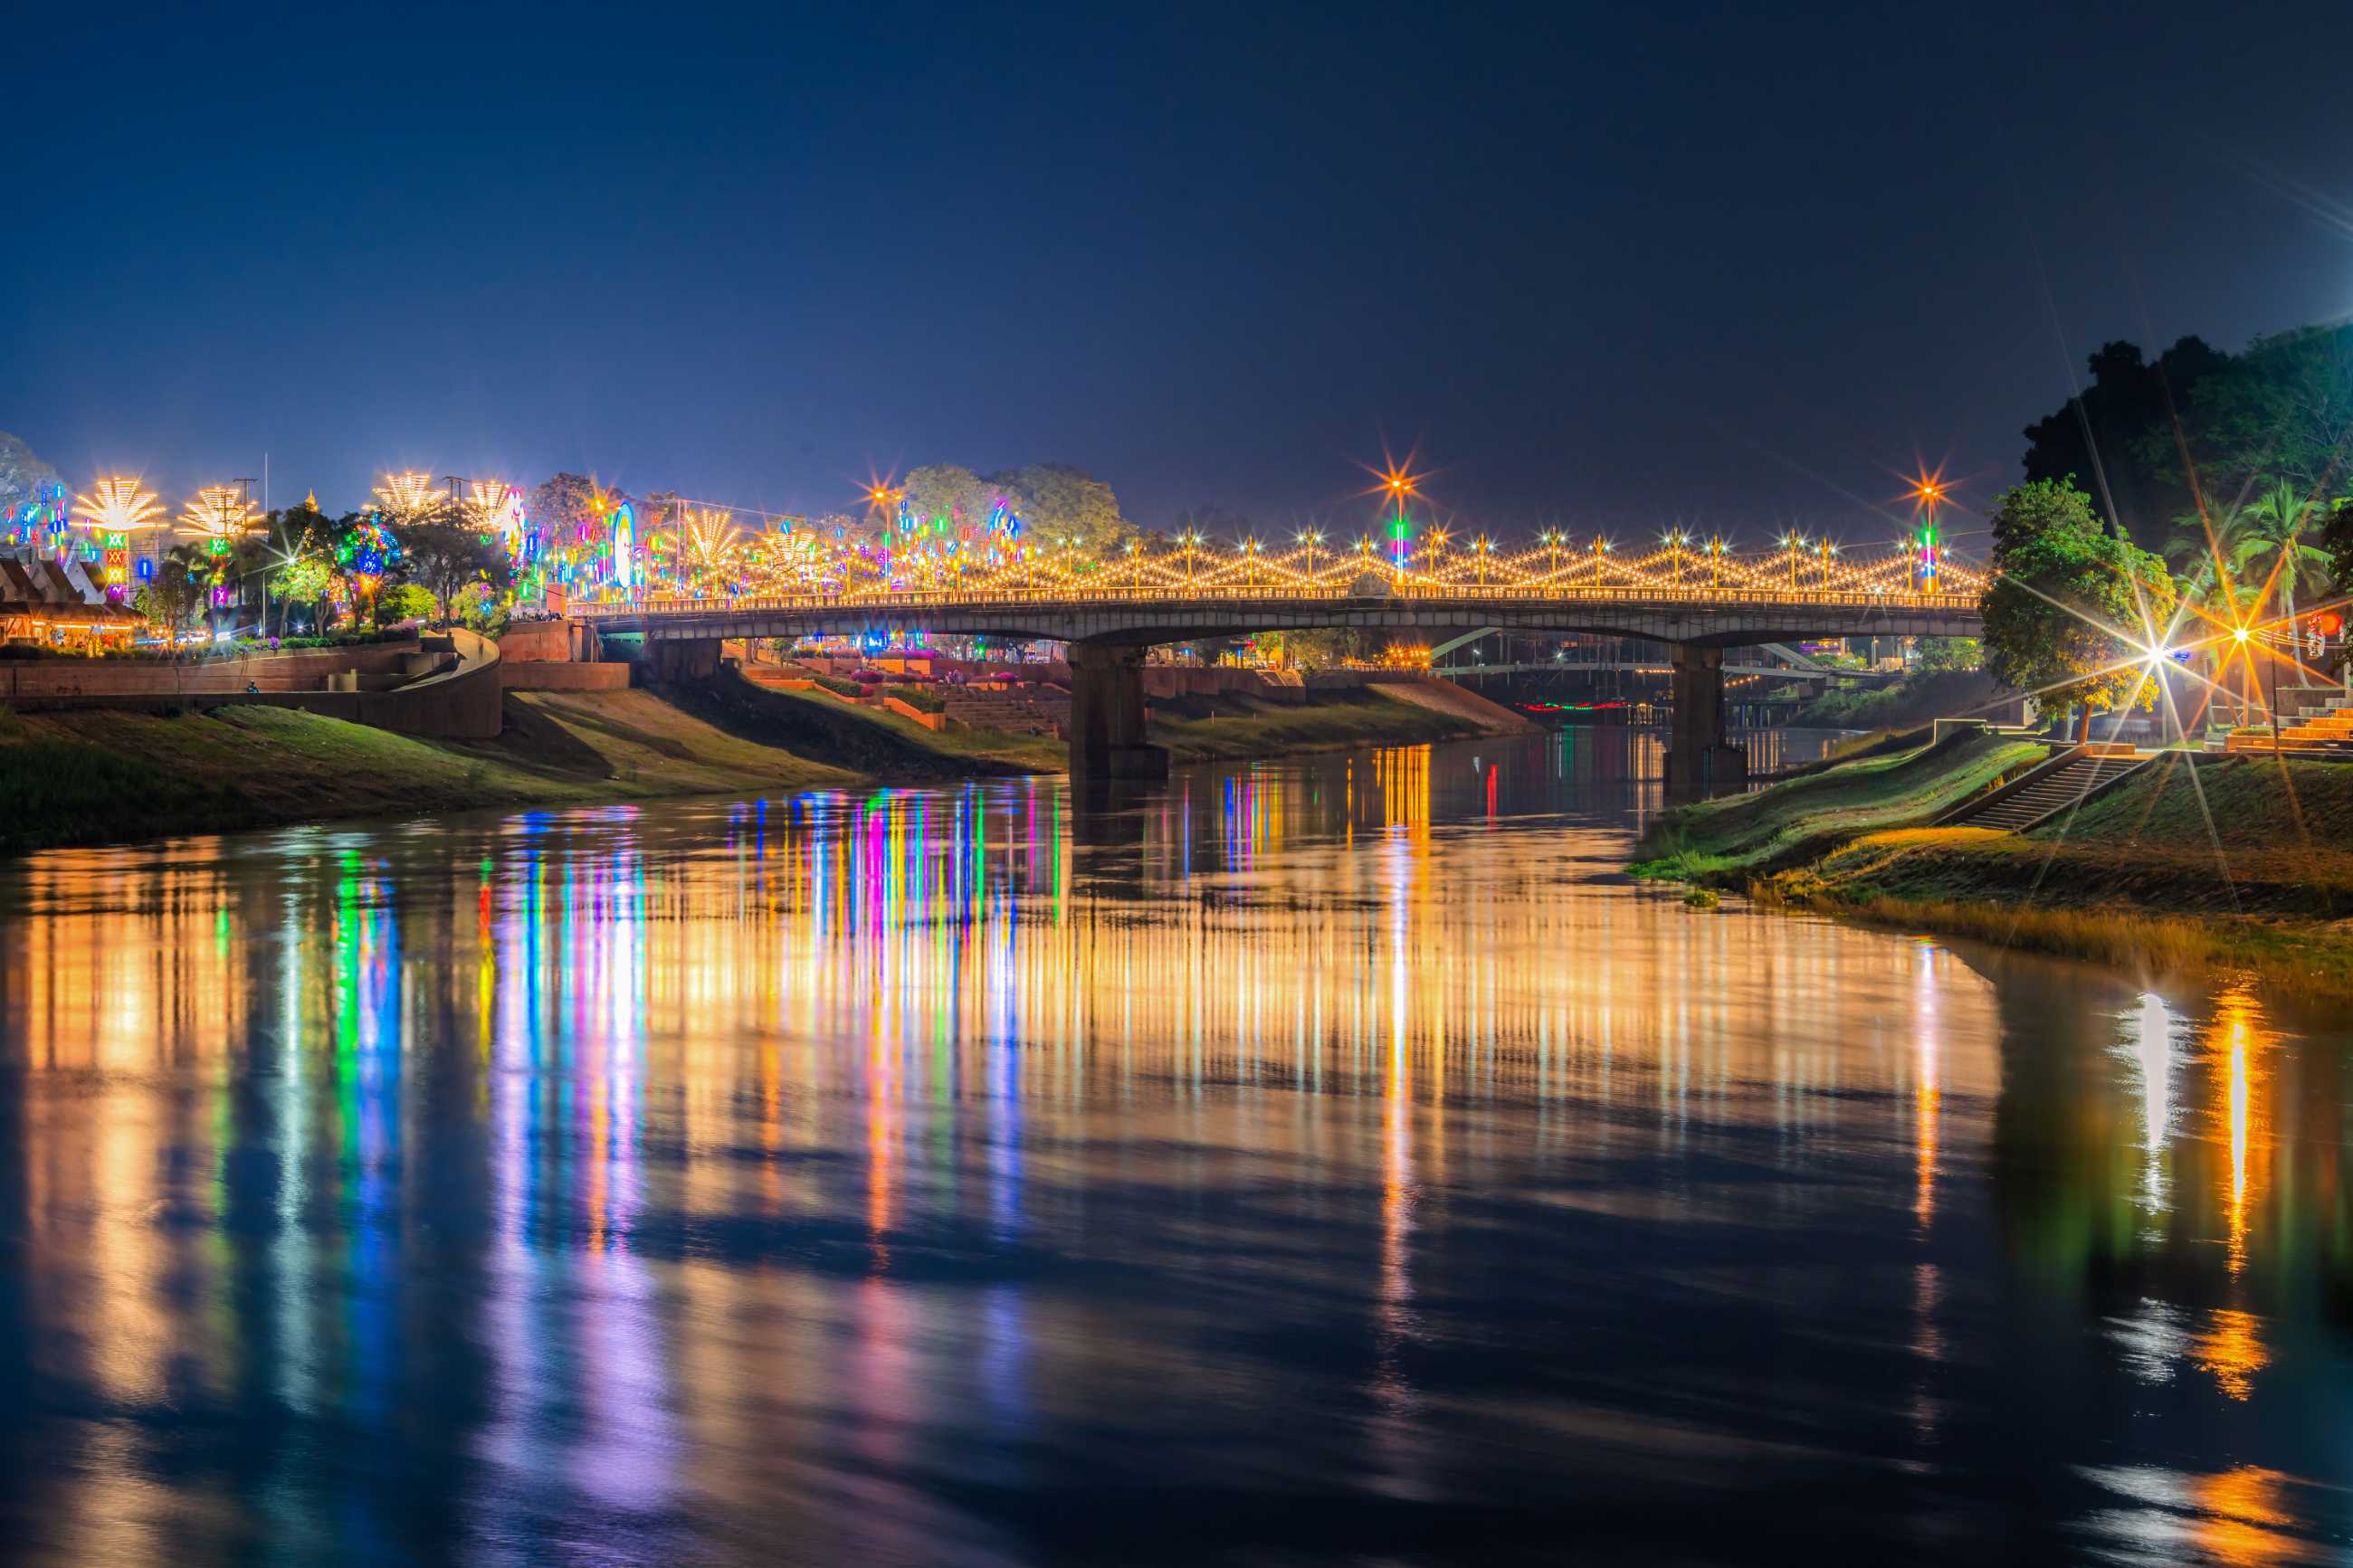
(1399, 485)
(1927, 496)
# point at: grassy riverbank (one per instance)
(103, 776)
(1729, 842)
(2242, 864)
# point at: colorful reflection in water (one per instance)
(1322, 1160)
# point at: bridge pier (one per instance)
(1700, 760)
(675, 662)
(1107, 716)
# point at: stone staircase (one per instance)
(1019, 710)
(2050, 789)
(2325, 732)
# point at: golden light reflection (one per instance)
(2231, 1348)
(2236, 1035)
(2242, 1514)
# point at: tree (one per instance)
(2273, 539)
(2281, 411)
(175, 593)
(1309, 652)
(2337, 543)
(402, 602)
(2075, 611)
(295, 556)
(945, 490)
(1058, 503)
(305, 579)
(2118, 435)
(1940, 655)
(444, 557)
(563, 506)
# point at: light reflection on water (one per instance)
(1324, 1159)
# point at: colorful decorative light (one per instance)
(222, 515)
(115, 509)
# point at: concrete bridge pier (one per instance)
(1701, 761)
(677, 662)
(1107, 716)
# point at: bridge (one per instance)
(1110, 611)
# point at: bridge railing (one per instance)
(898, 600)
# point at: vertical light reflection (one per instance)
(1928, 1085)
(2153, 1051)
(2235, 1035)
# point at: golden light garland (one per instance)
(1552, 567)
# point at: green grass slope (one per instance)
(1741, 836)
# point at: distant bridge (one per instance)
(1110, 614)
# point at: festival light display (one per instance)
(496, 508)
(42, 522)
(220, 515)
(408, 498)
(619, 564)
(115, 509)
(710, 549)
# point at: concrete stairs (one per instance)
(2325, 732)
(2055, 786)
(1040, 710)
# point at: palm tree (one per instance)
(2273, 535)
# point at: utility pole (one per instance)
(244, 501)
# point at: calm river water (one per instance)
(1322, 1161)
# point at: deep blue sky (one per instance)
(1618, 265)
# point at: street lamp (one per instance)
(1927, 495)
(1311, 538)
(1398, 484)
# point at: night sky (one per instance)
(1617, 267)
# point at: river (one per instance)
(1331, 1160)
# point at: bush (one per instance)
(921, 700)
(840, 688)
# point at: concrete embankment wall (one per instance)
(546, 656)
(1425, 692)
(1165, 682)
(459, 703)
(107, 682)
(549, 676)
(538, 642)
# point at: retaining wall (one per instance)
(536, 642)
(91, 683)
(545, 675)
(1168, 680)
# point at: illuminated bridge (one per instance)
(1697, 602)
